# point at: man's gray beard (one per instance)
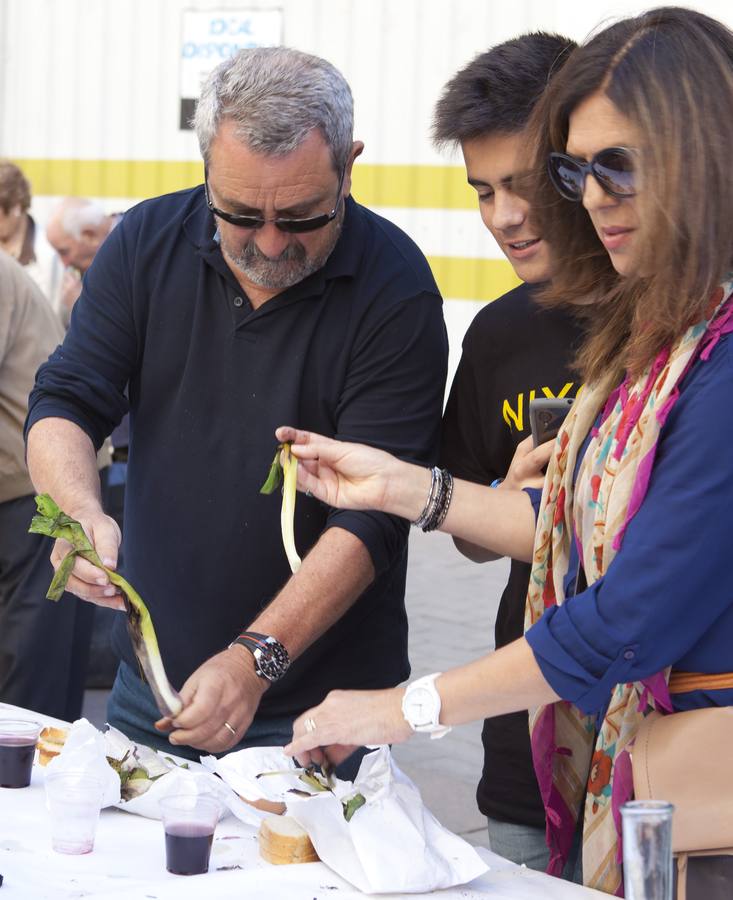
(292, 266)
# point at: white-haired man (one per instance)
(76, 229)
(265, 295)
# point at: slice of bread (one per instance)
(50, 743)
(283, 842)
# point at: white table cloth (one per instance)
(128, 861)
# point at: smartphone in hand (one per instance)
(546, 415)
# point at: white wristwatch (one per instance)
(421, 707)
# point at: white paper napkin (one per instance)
(241, 771)
(391, 844)
(84, 750)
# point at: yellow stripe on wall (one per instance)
(472, 279)
(136, 179)
(413, 187)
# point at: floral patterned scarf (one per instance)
(574, 766)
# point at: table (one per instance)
(128, 861)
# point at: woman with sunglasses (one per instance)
(630, 550)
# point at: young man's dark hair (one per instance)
(513, 350)
(498, 90)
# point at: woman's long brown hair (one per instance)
(670, 72)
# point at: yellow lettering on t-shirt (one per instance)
(516, 417)
(548, 392)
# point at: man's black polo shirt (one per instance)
(357, 350)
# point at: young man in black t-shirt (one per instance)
(513, 351)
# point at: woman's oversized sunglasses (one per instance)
(613, 169)
(289, 226)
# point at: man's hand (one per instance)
(223, 689)
(87, 581)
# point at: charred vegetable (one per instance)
(284, 470)
(320, 782)
(54, 523)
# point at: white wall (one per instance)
(89, 93)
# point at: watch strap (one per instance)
(265, 649)
(433, 728)
(253, 640)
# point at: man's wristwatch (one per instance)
(271, 658)
(421, 707)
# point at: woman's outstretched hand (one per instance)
(347, 720)
(349, 476)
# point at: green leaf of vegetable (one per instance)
(274, 476)
(54, 523)
(311, 778)
(46, 506)
(351, 806)
(58, 583)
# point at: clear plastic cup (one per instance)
(647, 843)
(18, 739)
(189, 821)
(74, 800)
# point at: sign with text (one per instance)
(209, 37)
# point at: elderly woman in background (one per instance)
(630, 588)
(21, 237)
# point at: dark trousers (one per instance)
(43, 645)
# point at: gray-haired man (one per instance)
(266, 296)
(76, 229)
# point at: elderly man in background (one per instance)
(76, 229)
(265, 295)
(43, 645)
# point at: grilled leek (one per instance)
(284, 470)
(54, 523)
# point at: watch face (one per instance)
(272, 661)
(420, 706)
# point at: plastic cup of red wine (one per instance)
(18, 739)
(189, 821)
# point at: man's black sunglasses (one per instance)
(289, 226)
(613, 168)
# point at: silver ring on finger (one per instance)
(230, 729)
(310, 725)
